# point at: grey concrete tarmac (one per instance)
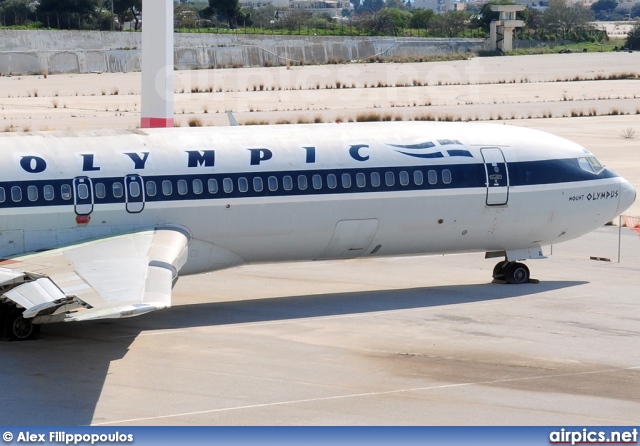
(419, 341)
(400, 341)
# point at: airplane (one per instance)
(100, 224)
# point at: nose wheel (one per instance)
(511, 272)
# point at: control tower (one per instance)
(501, 30)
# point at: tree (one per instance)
(15, 12)
(635, 10)
(395, 4)
(128, 10)
(421, 19)
(369, 6)
(185, 16)
(633, 38)
(68, 13)
(604, 5)
(295, 19)
(82, 7)
(564, 19)
(454, 22)
(230, 10)
(263, 16)
(388, 21)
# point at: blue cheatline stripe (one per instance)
(463, 176)
(424, 145)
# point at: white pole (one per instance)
(157, 63)
(619, 235)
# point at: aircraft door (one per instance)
(134, 191)
(497, 172)
(83, 195)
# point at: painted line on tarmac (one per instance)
(359, 395)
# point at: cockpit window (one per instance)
(590, 164)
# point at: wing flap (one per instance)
(121, 276)
(36, 293)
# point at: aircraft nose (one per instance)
(627, 196)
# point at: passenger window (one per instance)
(243, 184)
(197, 186)
(167, 187)
(361, 180)
(272, 182)
(32, 193)
(302, 182)
(151, 189)
(389, 179)
(3, 196)
(346, 180)
(16, 193)
(432, 176)
(101, 191)
(212, 185)
(227, 185)
(134, 189)
(446, 176)
(332, 181)
(257, 184)
(287, 182)
(48, 192)
(375, 179)
(316, 180)
(418, 178)
(83, 191)
(118, 190)
(65, 192)
(404, 178)
(182, 187)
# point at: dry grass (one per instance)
(195, 122)
(256, 122)
(424, 117)
(628, 133)
(368, 117)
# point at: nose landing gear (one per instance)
(511, 272)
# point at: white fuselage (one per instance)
(379, 189)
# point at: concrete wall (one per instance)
(32, 52)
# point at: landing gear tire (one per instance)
(17, 328)
(499, 270)
(517, 273)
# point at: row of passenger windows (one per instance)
(302, 181)
(258, 184)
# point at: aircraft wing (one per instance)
(114, 277)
